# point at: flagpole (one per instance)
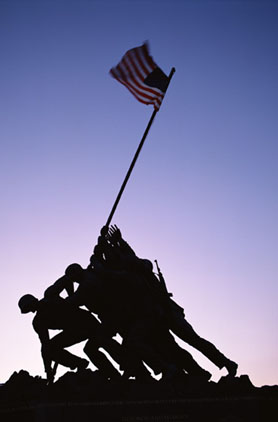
(136, 155)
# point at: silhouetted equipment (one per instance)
(162, 280)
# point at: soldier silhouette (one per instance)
(174, 314)
(126, 309)
(95, 295)
(77, 325)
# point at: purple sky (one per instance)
(203, 196)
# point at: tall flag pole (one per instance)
(148, 83)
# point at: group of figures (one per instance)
(123, 295)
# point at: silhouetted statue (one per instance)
(128, 298)
(98, 297)
(126, 309)
(117, 301)
(173, 313)
(77, 325)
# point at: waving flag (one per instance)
(141, 75)
(146, 81)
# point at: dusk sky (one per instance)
(202, 198)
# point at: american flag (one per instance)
(141, 75)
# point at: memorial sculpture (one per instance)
(128, 299)
(124, 295)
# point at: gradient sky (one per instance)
(202, 198)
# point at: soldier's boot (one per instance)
(231, 367)
(82, 364)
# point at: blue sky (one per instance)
(203, 196)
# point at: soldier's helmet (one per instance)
(27, 303)
(147, 264)
(74, 271)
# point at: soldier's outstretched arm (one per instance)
(63, 283)
(44, 338)
(77, 299)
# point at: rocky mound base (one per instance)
(86, 396)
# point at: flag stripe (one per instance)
(135, 85)
(139, 90)
(124, 70)
(135, 66)
(139, 81)
(147, 56)
(142, 62)
(141, 97)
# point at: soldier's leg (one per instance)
(185, 331)
(165, 344)
(58, 354)
(100, 360)
(114, 349)
(132, 364)
(184, 359)
(140, 343)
